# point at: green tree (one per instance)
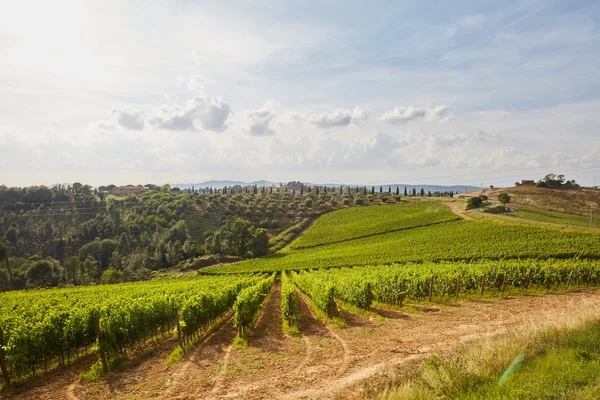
(504, 198)
(4, 256)
(260, 242)
(111, 276)
(405, 192)
(42, 273)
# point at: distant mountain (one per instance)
(409, 187)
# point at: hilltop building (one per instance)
(125, 190)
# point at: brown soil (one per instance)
(324, 363)
(458, 209)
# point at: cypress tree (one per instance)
(380, 189)
(373, 190)
(405, 192)
(414, 192)
(397, 190)
(422, 192)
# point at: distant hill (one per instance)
(409, 187)
(568, 201)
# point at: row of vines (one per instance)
(40, 329)
(391, 284)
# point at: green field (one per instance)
(354, 223)
(452, 241)
(554, 217)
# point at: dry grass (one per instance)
(464, 372)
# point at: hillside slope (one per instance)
(568, 201)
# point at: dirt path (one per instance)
(458, 209)
(325, 362)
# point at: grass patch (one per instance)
(291, 328)
(240, 342)
(175, 356)
(98, 370)
(558, 363)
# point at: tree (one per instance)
(72, 267)
(41, 273)
(405, 192)
(4, 256)
(474, 202)
(111, 276)
(260, 242)
(422, 192)
(504, 198)
(414, 192)
(397, 190)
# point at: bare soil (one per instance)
(323, 363)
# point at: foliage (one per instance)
(290, 310)
(474, 202)
(319, 290)
(249, 302)
(504, 198)
(38, 327)
(556, 182)
(391, 284)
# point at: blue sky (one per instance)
(385, 91)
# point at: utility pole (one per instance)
(591, 213)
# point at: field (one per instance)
(346, 287)
(452, 241)
(354, 223)
(534, 214)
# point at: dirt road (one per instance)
(323, 363)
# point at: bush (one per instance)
(474, 202)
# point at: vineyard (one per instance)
(370, 258)
(392, 284)
(354, 223)
(39, 329)
(451, 241)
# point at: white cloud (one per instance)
(261, 121)
(194, 83)
(128, 119)
(340, 117)
(402, 115)
(211, 114)
(438, 113)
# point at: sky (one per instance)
(461, 92)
